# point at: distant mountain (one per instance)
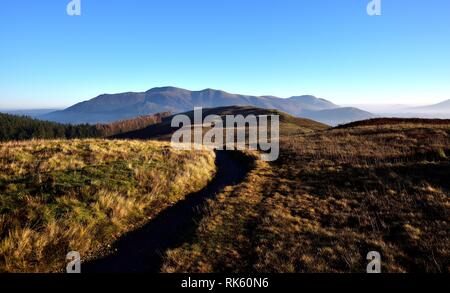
(442, 107)
(339, 115)
(107, 108)
(436, 111)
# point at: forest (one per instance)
(23, 128)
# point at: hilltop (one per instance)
(288, 123)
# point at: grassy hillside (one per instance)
(57, 196)
(417, 122)
(332, 197)
(124, 126)
(289, 124)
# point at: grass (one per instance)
(58, 196)
(333, 196)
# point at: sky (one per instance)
(328, 48)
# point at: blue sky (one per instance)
(328, 48)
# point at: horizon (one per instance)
(334, 51)
(363, 106)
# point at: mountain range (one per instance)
(112, 107)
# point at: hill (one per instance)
(123, 126)
(288, 124)
(435, 111)
(395, 122)
(333, 196)
(112, 107)
(339, 115)
(442, 107)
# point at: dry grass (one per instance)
(332, 197)
(58, 196)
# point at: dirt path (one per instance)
(141, 250)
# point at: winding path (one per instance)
(142, 250)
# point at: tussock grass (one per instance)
(58, 196)
(221, 242)
(332, 197)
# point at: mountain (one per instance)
(436, 111)
(107, 108)
(442, 107)
(338, 115)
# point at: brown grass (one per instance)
(332, 197)
(58, 196)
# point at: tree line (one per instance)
(124, 126)
(14, 127)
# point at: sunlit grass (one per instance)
(332, 197)
(59, 196)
